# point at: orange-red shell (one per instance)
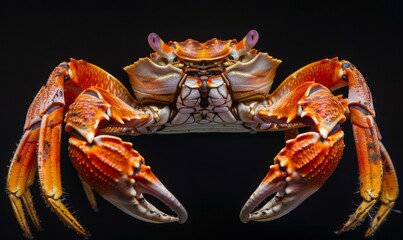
(210, 50)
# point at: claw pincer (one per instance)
(118, 173)
(300, 169)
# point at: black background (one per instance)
(211, 174)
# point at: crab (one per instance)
(191, 86)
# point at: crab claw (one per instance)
(300, 169)
(117, 172)
(273, 182)
(145, 182)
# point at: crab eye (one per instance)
(251, 39)
(247, 43)
(159, 46)
(155, 42)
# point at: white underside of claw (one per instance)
(284, 201)
(131, 200)
(142, 210)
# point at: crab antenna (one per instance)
(160, 46)
(247, 43)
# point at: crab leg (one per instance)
(378, 179)
(327, 72)
(49, 165)
(21, 177)
(111, 166)
(389, 193)
(42, 134)
(83, 75)
(89, 192)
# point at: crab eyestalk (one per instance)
(160, 47)
(247, 43)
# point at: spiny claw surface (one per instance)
(118, 173)
(300, 169)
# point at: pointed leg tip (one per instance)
(369, 233)
(87, 235)
(28, 236)
(345, 228)
(338, 232)
(372, 229)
